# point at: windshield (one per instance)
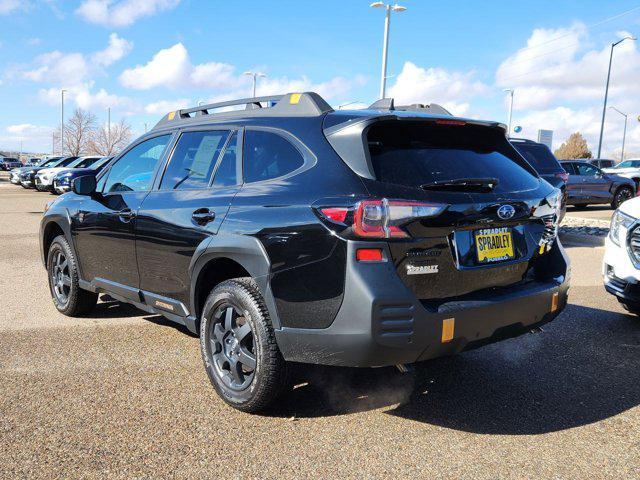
(628, 164)
(65, 162)
(50, 163)
(539, 156)
(420, 153)
(100, 163)
(84, 162)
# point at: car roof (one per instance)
(307, 104)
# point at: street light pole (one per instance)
(255, 75)
(624, 134)
(606, 91)
(511, 92)
(385, 42)
(62, 125)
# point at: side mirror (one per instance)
(85, 185)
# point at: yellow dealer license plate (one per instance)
(494, 244)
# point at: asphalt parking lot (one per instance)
(598, 212)
(124, 394)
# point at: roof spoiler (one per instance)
(388, 104)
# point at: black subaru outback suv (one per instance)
(290, 232)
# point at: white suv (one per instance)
(629, 168)
(621, 267)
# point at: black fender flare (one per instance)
(62, 220)
(245, 250)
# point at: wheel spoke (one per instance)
(246, 358)
(243, 331)
(218, 332)
(64, 265)
(228, 317)
(66, 280)
(214, 346)
(236, 372)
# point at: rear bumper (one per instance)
(381, 323)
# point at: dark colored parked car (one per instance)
(296, 233)
(601, 162)
(27, 176)
(590, 185)
(8, 163)
(63, 180)
(544, 161)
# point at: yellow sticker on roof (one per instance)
(172, 115)
(295, 98)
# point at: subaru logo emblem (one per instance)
(505, 212)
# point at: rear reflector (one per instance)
(448, 329)
(369, 255)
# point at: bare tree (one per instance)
(575, 147)
(78, 132)
(110, 141)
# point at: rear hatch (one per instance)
(496, 212)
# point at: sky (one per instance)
(143, 59)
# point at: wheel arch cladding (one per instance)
(51, 230)
(227, 257)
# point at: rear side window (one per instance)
(422, 153)
(193, 160)
(227, 172)
(268, 155)
(568, 167)
(133, 171)
(539, 156)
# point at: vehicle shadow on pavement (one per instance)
(585, 367)
(107, 307)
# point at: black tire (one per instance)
(239, 347)
(622, 195)
(62, 269)
(631, 307)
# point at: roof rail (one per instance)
(388, 104)
(306, 104)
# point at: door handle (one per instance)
(126, 214)
(202, 216)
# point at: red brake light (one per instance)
(458, 123)
(369, 255)
(564, 176)
(335, 214)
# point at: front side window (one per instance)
(193, 160)
(268, 155)
(133, 171)
(587, 170)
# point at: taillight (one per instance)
(381, 218)
(385, 218)
(564, 176)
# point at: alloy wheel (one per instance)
(61, 277)
(231, 346)
(622, 196)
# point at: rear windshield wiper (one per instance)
(470, 184)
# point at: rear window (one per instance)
(421, 153)
(539, 156)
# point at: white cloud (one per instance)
(161, 107)
(10, 6)
(122, 13)
(118, 47)
(172, 67)
(74, 68)
(557, 66)
(82, 96)
(58, 67)
(32, 42)
(453, 89)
